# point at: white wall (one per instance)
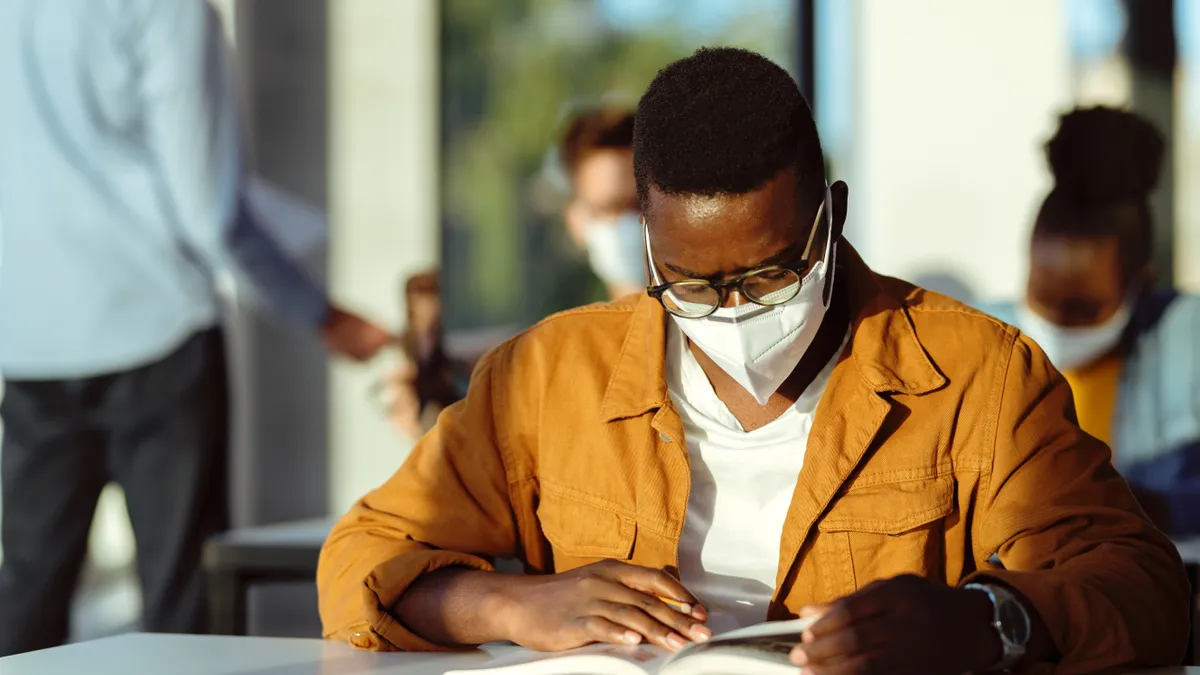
(955, 99)
(383, 204)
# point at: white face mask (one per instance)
(615, 250)
(1071, 348)
(759, 346)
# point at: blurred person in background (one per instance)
(427, 380)
(121, 189)
(602, 216)
(603, 220)
(1130, 351)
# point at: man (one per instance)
(772, 430)
(120, 189)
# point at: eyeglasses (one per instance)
(767, 286)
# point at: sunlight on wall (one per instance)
(382, 204)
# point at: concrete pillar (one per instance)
(279, 370)
(383, 187)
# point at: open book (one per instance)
(758, 650)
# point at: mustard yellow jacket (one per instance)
(945, 446)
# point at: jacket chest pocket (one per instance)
(893, 529)
(582, 530)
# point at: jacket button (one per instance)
(362, 640)
(664, 437)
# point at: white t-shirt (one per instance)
(742, 485)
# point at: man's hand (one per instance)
(609, 601)
(903, 625)
(352, 336)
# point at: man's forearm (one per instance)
(455, 606)
(282, 282)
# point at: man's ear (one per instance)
(839, 194)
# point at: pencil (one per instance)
(681, 607)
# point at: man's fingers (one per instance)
(600, 629)
(813, 610)
(846, 642)
(856, 640)
(683, 624)
(864, 605)
(652, 582)
(835, 619)
(635, 619)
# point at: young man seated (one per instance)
(771, 430)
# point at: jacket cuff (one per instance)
(1056, 599)
(387, 582)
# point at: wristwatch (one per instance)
(1011, 620)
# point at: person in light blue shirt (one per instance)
(122, 194)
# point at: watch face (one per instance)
(1014, 623)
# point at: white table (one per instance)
(211, 655)
(142, 654)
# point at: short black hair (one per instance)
(1105, 162)
(607, 128)
(723, 121)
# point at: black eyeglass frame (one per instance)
(800, 269)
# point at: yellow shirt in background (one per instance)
(1095, 390)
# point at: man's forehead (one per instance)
(702, 207)
(781, 196)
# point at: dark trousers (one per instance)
(161, 432)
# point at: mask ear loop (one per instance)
(654, 278)
(830, 249)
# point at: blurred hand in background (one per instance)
(403, 403)
(347, 334)
(423, 383)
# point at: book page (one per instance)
(765, 647)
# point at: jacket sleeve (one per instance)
(448, 505)
(1069, 535)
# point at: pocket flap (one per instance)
(583, 528)
(894, 508)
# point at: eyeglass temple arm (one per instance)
(654, 278)
(812, 234)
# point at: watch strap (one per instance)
(1012, 651)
